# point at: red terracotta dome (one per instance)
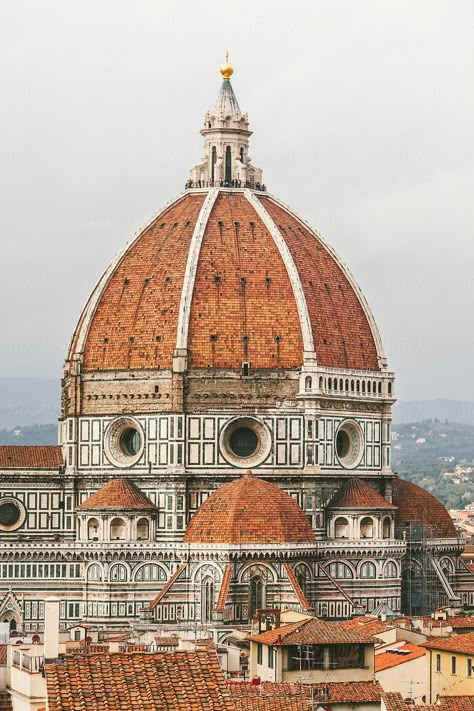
(249, 510)
(230, 275)
(418, 506)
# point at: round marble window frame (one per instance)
(264, 442)
(357, 444)
(112, 442)
(21, 509)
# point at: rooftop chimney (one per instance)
(51, 629)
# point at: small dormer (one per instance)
(118, 511)
(358, 512)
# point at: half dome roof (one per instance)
(249, 510)
(417, 506)
(230, 275)
(118, 494)
(357, 494)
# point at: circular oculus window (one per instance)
(245, 442)
(349, 444)
(124, 442)
(12, 514)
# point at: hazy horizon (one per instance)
(363, 118)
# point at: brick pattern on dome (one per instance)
(144, 682)
(31, 457)
(417, 506)
(342, 334)
(357, 494)
(136, 319)
(118, 494)
(243, 307)
(249, 510)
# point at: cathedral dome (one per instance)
(418, 507)
(249, 510)
(230, 275)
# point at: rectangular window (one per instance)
(179, 503)
(169, 522)
(469, 667)
(270, 657)
(179, 523)
(169, 503)
(259, 653)
(438, 662)
(453, 665)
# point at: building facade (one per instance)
(226, 336)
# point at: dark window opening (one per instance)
(243, 442)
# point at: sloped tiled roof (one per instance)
(273, 695)
(356, 494)
(394, 702)
(118, 494)
(143, 682)
(462, 643)
(31, 457)
(455, 703)
(167, 586)
(297, 587)
(249, 510)
(368, 625)
(417, 506)
(3, 655)
(224, 589)
(313, 631)
(387, 660)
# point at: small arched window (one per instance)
(242, 155)
(341, 384)
(213, 163)
(257, 601)
(330, 383)
(308, 383)
(341, 528)
(347, 386)
(367, 527)
(390, 570)
(390, 388)
(339, 571)
(93, 529)
(335, 384)
(118, 529)
(358, 386)
(94, 573)
(321, 383)
(369, 386)
(387, 527)
(367, 570)
(363, 386)
(379, 388)
(118, 573)
(143, 529)
(352, 386)
(228, 164)
(150, 571)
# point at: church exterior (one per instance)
(224, 444)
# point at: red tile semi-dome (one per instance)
(229, 275)
(249, 510)
(418, 506)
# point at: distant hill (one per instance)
(28, 401)
(31, 434)
(419, 410)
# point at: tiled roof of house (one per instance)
(402, 654)
(394, 702)
(135, 322)
(313, 631)
(462, 643)
(297, 588)
(31, 457)
(417, 506)
(455, 703)
(167, 586)
(224, 589)
(357, 494)
(118, 494)
(276, 694)
(143, 682)
(249, 510)
(368, 625)
(3, 655)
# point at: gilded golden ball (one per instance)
(227, 70)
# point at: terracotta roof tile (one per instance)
(275, 693)
(249, 510)
(417, 506)
(462, 643)
(313, 631)
(3, 655)
(356, 494)
(394, 702)
(455, 703)
(31, 457)
(368, 625)
(118, 494)
(226, 578)
(297, 588)
(387, 659)
(144, 682)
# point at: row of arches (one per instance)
(121, 573)
(364, 527)
(347, 385)
(118, 529)
(364, 570)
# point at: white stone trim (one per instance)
(357, 290)
(191, 269)
(89, 309)
(306, 331)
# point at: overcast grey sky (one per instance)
(363, 117)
